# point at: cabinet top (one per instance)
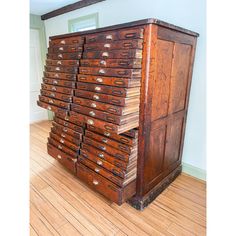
(130, 24)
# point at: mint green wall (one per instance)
(37, 23)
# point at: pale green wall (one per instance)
(37, 23)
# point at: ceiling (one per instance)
(40, 7)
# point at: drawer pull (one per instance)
(109, 36)
(63, 135)
(65, 129)
(63, 42)
(55, 82)
(59, 146)
(59, 156)
(102, 148)
(54, 88)
(99, 80)
(95, 182)
(97, 170)
(92, 113)
(60, 56)
(124, 140)
(49, 108)
(62, 140)
(122, 72)
(105, 54)
(101, 155)
(104, 140)
(97, 88)
(93, 104)
(123, 63)
(99, 162)
(66, 124)
(52, 95)
(82, 78)
(57, 68)
(61, 48)
(129, 45)
(107, 134)
(130, 35)
(102, 62)
(66, 118)
(50, 101)
(56, 75)
(90, 122)
(107, 45)
(101, 71)
(95, 97)
(59, 62)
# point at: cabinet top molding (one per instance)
(130, 24)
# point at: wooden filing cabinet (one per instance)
(120, 97)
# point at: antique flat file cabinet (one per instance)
(120, 97)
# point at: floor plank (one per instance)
(62, 205)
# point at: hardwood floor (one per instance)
(62, 205)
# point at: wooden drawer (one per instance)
(68, 137)
(58, 89)
(104, 186)
(62, 62)
(119, 120)
(63, 69)
(71, 119)
(52, 108)
(118, 129)
(108, 149)
(115, 91)
(65, 48)
(64, 56)
(69, 40)
(120, 138)
(60, 96)
(56, 75)
(121, 44)
(119, 101)
(69, 131)
(130, 73)
(104, 156)
(68, 124)
(65, 142)
(63, 148)
(59, 82)
(55, 102)
(100, 170)
(132, 133)
(66, 160)
(116, 110)
(119, 63)
(103, 139)
(119, 54)
(110, 36)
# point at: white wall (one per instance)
(190, 14)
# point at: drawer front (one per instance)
(63, 69)
(65, 48)
(120, 138)
(58, 89)
(63, 148)
(60, 75)
(111, 81)
(70, 40)
(131, 73)
(122, 44)
(119, 54)
(67, 130)
(119, 63)
(55, 102)
(104, 156)
(59, 82)
(110, 150)
(110, 142)
(68, 124)
(64, 56)
(60, 96)
(65, 142)
(68, 137)
(100, 170)
(110, 36)
(73, 120)
(62, 62)
(99, 183)
(66, 160)
(52, 108)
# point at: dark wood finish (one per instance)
(52, 108)
(64, 105)
(70, 7)
(50, 62)
(64, 69)
(57, 75)
(60, 96)
(58, 89)
(66, 48)
(59, 82)
(64, 56)
(68, 124)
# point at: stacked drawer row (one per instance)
(108, 87)
(59, 81)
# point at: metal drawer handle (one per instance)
(62, 140)
(59, 146)
(97, 88)
(93, 104)
(107, 45)
(95, 182)
(104, 140)
(105, 54)
(99, 80)
(54, 88)
(102, 62)
(101, 155)
(49, 108)
(60, 56)
(50, 101)
(52, 94)
(102, 147)
(61, 48)
(92, 113)
(59, 63)
(65, 129)
(59, 156)
(90, 122)
(66, 118)
(57, 68)
(109, 36)
(107, 134)
(66, 124)
(99, 162)
(63, 135)
(56, 75)
(95, 97)
(101, 71)
(97, 170)
(62, 42)
(55, 82)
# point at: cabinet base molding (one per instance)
(140, 203)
